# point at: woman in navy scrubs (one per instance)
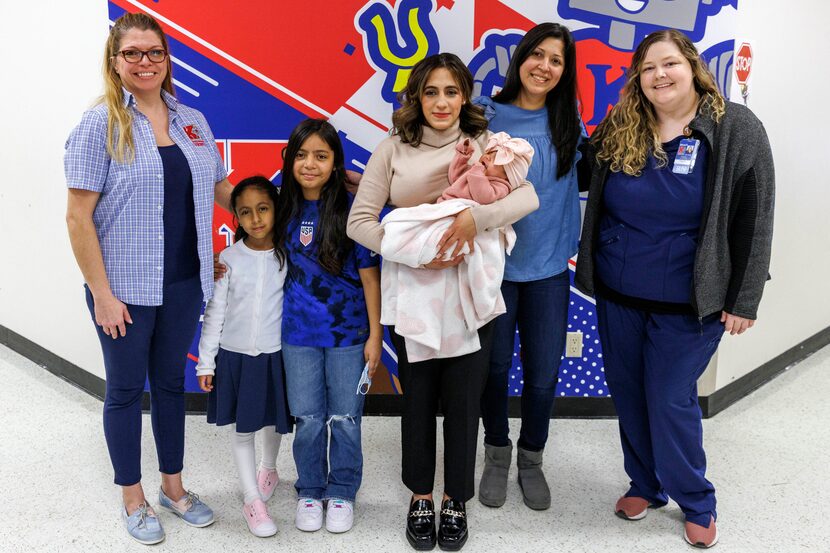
(676, 248)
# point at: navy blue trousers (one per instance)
(540, 308)
(652, 363)
(154, 348)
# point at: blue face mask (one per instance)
(365, 382)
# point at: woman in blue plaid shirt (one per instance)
(143, 171)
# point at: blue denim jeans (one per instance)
(540, 308)
(322, 395)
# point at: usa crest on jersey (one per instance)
(306, 234)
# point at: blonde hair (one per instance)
(120, 145)
(629, 133)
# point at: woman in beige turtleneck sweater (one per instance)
(407, 169)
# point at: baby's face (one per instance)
(490, 168)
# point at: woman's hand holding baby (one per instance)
(461, 231)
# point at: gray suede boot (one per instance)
(492, 490)
(535, 490)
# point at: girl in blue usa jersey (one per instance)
(330, 326)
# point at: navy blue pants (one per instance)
(154, 348)
(652, 363)
(540, 308)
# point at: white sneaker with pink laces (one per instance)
(259, 521)
(339, 516)
(309, 514)
(266, 480)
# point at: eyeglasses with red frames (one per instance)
(157, 55)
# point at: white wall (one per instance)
(54, 74)
(51, 74)
(788, 89)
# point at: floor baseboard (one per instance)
(390, 405)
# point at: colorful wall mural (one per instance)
(257, 68)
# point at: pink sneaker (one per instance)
(631, 508)
(259, 521)
(267, 480)
(698, 536)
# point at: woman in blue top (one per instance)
(142, 170)
(538, 103)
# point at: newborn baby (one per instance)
(500, 169)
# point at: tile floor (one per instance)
(768, 457)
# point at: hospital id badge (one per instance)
(684, 162)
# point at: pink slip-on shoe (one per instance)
(267, 480)
(631, 508)
(259, 521)
(698, 536)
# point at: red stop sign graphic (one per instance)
(743, 63)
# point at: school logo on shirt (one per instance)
(192, 133)
(306, 233)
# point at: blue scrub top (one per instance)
(649, 229)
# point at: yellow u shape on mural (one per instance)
(405, 64)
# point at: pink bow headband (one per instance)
(507, 149)
(514, 154)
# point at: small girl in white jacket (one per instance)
(240, 360)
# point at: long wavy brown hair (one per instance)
(408, 120)
(629, 133)
(120, 145)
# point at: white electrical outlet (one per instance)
(573, 344)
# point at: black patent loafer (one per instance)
(420, 525)
(452, 529)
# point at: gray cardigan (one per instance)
(733, 251)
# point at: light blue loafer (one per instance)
(143, 525)
(189, 508)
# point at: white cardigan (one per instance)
(245, 313)
(439, 312)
